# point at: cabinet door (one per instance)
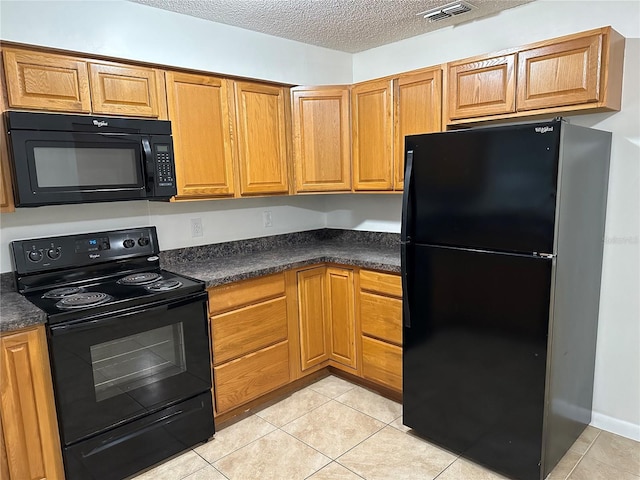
(28, 414)
(6, 192)
(341, 316)
(312, 305)
(372, 135)
(418, 109)
(200, 121)
(382, 363)
(481, 87)
(262, 143)
(123, 90)
(46, 82)
(322, 154)
(565, 73)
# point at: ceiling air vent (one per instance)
(445, 11)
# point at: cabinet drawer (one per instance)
(233, 295)
(381, 317)
(249, 328)
(246, 378)
(381, 283)
(382, 362)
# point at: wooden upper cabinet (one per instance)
(200, 114)
(341, 316)
(418, 109)
(564, 73)
(480, 87)
(372, 135)
(321, 129)
(123, 90)
(261, 139)
(29, 426)
(46, 81)
(312, 305)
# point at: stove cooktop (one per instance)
(92, 296)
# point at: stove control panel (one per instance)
(43, 254)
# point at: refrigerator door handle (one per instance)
(406, 309)
(407, 216)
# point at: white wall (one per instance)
(138, 32)
(617, 382)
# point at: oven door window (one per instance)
(131, 362)
(120, 367)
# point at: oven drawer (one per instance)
(132, 447)
(242, 331)
(246, 378)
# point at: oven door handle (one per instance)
(109, 317)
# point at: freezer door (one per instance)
(491, 188)
(475, 355)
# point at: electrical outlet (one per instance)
(266, 219)
(196, 227)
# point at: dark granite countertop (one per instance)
(222, 263)
(16, 312)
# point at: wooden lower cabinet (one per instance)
(29, 429)
(382, 362)
(341, 317)
(249, 330)
(380, 309)
(246, 378)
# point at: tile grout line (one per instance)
(208, 463)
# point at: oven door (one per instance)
(62, 167)
(111, 370)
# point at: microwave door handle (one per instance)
(148, 157)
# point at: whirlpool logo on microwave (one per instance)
(538, 129)
(100, 123)
(94, 255)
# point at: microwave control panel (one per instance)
(164, 162)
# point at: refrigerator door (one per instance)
(488, 188)
(475, 355)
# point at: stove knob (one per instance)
(129, 243)
(143, 241)
(54, 253)
(35, 255)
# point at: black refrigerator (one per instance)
(502, 239)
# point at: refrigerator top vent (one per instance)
(446, 11)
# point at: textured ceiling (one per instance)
(346, 25)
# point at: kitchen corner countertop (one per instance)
(220, 270)
(218, 264)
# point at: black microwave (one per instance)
(60, 159)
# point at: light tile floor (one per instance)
(335, 430)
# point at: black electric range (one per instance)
(129, 349)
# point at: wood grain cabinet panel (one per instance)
(372, 135)
(482, 87)
(262, 141)
(381, 317)
(46, 81)
(341, 316)
(321, 129)
(247, 292)
(565, 73)
(418, 109)
(201, 124)
(29, 426)
(382, 283)
(382, 363)
(312, 314)
(123, 90)
(239, 381)
(242, 331)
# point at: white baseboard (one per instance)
(617, 426)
